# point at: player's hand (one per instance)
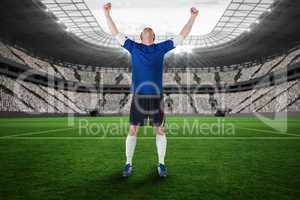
(107, 8)
(194, 12)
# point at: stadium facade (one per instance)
(52, 62)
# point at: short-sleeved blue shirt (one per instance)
(147, 65)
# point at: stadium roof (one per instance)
(236, 19)
(29, 25)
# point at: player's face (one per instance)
(148, 35)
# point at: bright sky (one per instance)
(164, 16)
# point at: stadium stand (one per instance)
(7, 53)
(30, 97)
(66, 95)
(66, 73)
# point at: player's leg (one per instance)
(130, 147)
(158, 119)
(161, 145)
(136, 119)
(131, 143)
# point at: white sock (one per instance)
(161, 145)
(130, 146)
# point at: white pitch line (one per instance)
(36, 133)
(19, 136)
(269, 131)
(151, 138)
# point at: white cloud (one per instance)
(164, 16)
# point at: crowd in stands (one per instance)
(182, 78)
(17, 95)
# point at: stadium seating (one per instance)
(7, 53)
(28, 97)
(115, 77)
(24, 96)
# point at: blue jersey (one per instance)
(147, 65)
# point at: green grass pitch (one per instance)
(207, 158)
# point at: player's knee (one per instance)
(160, 131)
(132, 131)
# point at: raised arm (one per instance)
(121, 38)
(189, 25)
(111, 25)
(187, 28)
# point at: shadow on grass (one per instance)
(114, 186)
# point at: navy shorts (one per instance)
(147, 107)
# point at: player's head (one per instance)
(147, 35)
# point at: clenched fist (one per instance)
(107, 8)
(194, 11)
